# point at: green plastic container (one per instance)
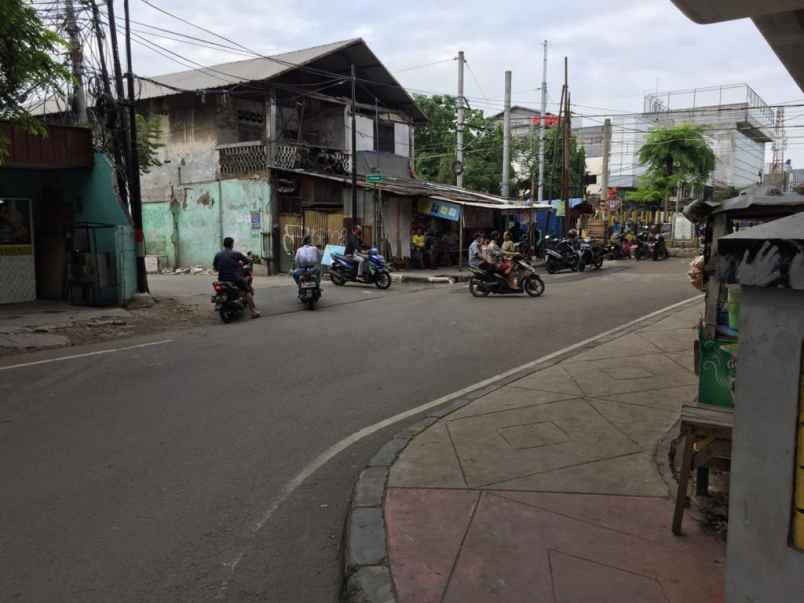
(717, 370)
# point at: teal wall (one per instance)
(190, 231)
(91, 194)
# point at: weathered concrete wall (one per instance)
(191, 231)
(762, 565)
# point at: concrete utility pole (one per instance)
(354, 146)
(506, 158)
(604, 172)
(78, 100)
(135, 198)
(459, 145)
(540, 197)
(565, 168)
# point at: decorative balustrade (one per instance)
(248, 158)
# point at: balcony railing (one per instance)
(248, 158)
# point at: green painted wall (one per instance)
(192, 232)
(91, 195)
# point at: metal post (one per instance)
(565, 168)
(540, 197)
(506, 158)
(354, 146)
(78, 98)
(604, 172)
(459, 145)
(134, 169)
(460, 240)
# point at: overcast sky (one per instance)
(618, 50)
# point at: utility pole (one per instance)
(134, 165)
(540, 197)
(78, 100)
(604, 172)
(112, 116)
(354, 147)
(459, 145)
(565, 168)
(506, 158)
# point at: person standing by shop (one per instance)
(417, 245)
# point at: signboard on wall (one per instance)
(256, 220)
(440, 209)
(15, 223)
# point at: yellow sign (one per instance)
(16, 249)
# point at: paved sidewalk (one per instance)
(546, 489)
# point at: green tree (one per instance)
(436, 141)
(149, 135)
(527, 155)
(675, 156)
(28, 64)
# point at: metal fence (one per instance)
(245, 158)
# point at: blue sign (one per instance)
(256, 220)
(326, 260)
(441, 209)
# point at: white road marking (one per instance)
(85, 355)
(331, 452)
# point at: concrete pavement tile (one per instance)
(672, 341)
(370, 584)
(597, 383)
(487, 457)
(553, 379)
(672, 398)
(629, 475)
(370, 487)
(685, 319)
(428, 461)
(425, 530)
(640, 516)
(622, 347)
(642, 424)
(507, 398)
(684, 359)
(505, 556)
(578, 580)
(366, 537)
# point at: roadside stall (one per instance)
(707, 423)
(766, 501)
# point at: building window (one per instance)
(250, 126)
(385, 142)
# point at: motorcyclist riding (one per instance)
(354, 248)
(229, 264)
(307, 256)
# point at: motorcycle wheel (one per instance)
(533, 285)
(550, 265)
(477, 289)
(580, 266)
(310, 303)
(598, 263)
(337, 279)
(227, 315)
(382, 279)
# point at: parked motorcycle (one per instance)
(560, 255)
(658, 248)
(309, 287)
(640, 248)
(615, 250)
(229, 299)
(484, 281)
(344, 269)
(592, 254)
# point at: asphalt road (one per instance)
(142, 475)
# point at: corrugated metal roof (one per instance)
(789, 228)
(759, 197)
(236, 72)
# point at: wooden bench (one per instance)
(706, 432)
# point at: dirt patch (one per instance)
(166, 314)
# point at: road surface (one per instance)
(148, 474)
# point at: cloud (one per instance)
(617, 50)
